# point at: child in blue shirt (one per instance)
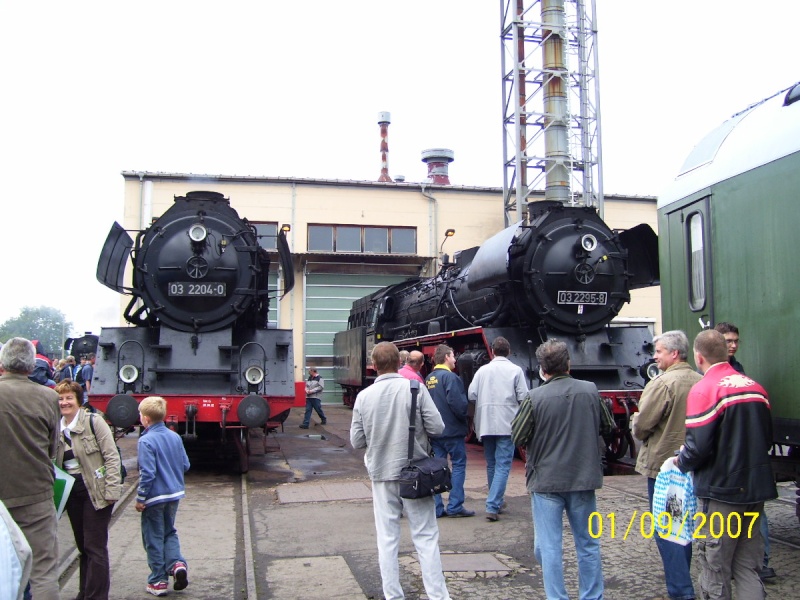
(162, 463)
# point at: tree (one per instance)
(43, 323)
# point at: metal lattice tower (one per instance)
(551, 110)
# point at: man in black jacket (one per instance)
(728, 439)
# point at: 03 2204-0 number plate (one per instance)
(599, 298)
(185, 288)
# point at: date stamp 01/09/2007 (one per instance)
(646, 524)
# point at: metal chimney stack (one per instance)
(384, 118)
(438, 160)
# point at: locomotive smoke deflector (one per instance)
(490, 265)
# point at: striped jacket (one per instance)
(728, 438)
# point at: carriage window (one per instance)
(697, 273)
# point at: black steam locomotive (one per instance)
(200, 336)
(564, 275)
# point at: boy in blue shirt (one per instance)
(162, 463)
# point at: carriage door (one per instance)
(687, 299)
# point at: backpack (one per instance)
(123, 472)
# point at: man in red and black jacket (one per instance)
(728, 439)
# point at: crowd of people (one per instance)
(713, 422)
(43, 425)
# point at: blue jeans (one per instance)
(548, 533)
(160, 540)
(499, 452)
(313, 404)
(677, 560)
(456, 448)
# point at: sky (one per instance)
(293, 89)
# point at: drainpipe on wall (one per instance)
(433, 222)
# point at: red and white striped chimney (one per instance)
(438, 160)
(384, 118)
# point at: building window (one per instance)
(320, 238)
(376, 239)
(697, 271)
(267, 235)
(404, 241)
(356, 239)
(348, 239)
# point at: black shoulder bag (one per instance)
(426, 476)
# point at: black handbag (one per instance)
(426, 476)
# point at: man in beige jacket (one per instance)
(661, 425)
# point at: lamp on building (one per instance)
(447, 234)
(286, 228)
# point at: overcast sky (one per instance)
(293, 89)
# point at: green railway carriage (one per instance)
(728, 227)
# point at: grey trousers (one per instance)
(732, 547)
(38, 523)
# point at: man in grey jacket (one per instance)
(661, 425)
(564, 469)
(497, 389)
(381, 425)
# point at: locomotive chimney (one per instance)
(384, 118)
(438, 160)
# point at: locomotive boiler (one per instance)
(565, 275)
(199, 334)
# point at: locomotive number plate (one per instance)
(186, 288)
(599, 298)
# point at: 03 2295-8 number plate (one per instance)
(598, 298)
(186, 288)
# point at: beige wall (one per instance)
(475, 213)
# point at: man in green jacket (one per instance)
(661, 425)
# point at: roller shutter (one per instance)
(329, 297)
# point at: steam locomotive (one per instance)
(564, 275)
(200, 336)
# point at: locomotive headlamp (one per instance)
(128, 374)
(651, 371)
(588, 242)
(197, 232)
(254, 375)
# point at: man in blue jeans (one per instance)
(561, 429)
(447, 391)
(497, 389)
